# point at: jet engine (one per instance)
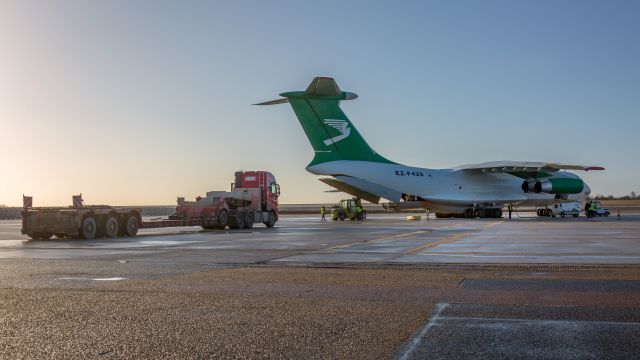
(528, 185)
(554, 186)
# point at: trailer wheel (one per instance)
(249, 219)
(271, 219)
(88, 229)
(110, 227)
(133, 225)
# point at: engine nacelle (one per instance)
(559, 186)
(528, 185)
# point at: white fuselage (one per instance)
(445, 189)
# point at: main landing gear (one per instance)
(473, 213)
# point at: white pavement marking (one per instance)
(93, 279)
(415, 341)
(549, 321)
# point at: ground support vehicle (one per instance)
(566, 209)
(348, 209)
(253, 198)
(601, 211)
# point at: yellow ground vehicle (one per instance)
(348, 209)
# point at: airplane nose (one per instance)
(587, 190)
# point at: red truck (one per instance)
(253, 199)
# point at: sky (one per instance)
(137, 102)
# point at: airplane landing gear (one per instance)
(473, 213)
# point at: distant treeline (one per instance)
(632, 196)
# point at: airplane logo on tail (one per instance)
(340, 125)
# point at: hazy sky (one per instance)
(136, 102)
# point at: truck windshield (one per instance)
(275, 189)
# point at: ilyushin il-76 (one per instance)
(478, 190)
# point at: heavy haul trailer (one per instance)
(253, 198)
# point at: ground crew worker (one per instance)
(510, 208)
(587, 206)
(322, 211)
(592, 208)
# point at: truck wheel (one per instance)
(249, 219)
(223, 218)
(88, 229)
(342, 216)
(132, 226)
(359, 216)
(271, 219)
(111, 227)
(562, 214)
(240, 223)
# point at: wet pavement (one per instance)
(383, 288)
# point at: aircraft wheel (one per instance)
(498, 213)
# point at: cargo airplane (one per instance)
(478, 190)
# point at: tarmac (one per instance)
(383, 288)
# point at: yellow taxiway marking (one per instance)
(494, 224)
(448, 239)
(380, 239)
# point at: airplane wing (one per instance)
(455, 199)
(522, 167)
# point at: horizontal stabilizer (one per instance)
(351, 190)
(274, 102)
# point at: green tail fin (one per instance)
(332, 136)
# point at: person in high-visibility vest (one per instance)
(322, 211)
(510, 208)
(592, 208)
(587, 206)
